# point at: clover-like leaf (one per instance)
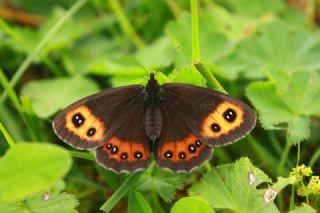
(191, 204)
(49, 96)
(30, 168)
(49, 201)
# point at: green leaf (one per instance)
(49, 96)
(277, 46)
(288, 98)
(191, 204)
(272, 110)
(213, 45)
(305, 208)
(137, 203)
(164, 182)
(256, 8)
(229, 187)
(50, 201)
(30, 168)
(187, 75)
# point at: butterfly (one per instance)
(178, 124)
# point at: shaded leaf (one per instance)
(49, 96)
(305, 208)
(137, 203)
(164, 182)
(277, 46)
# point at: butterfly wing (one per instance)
(128, 148)
(178, 148)
(112, 120)
(215, 118)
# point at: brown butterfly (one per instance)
(179, 124)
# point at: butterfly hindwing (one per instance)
(178, 148)
(216, 118)
(127, 149)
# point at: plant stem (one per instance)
(311, 9)
(176, 11)
(211, 80)
(291, 207)
(298, 154)
(125, 24)
(195, 31)
(127, 185)
(7, 136)
(83, 155)
(8, 88)
(284, 157)
(314, 158)
(41, 45)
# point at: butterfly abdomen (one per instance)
(153, 122)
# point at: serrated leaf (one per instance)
(191, 204)
(299, 129)
(277, 46)
(288, 98)
(30, 168)
(164, 182)
(272, 110)
(137, 203)
(226, 186)
(49, 96)
(256, 8)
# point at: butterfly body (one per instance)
(178, 124)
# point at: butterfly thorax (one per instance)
(153, 114)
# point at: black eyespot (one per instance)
(124, 156)
(137, 155)
(91, 132)
(78, 120)
(168, 154)
(109, 146)
(192, 148)
(230, 115)
(114, 150)
(182, 155)
(215, 127)
(198, 143)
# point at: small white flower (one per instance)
(251, 178)
(269, 195)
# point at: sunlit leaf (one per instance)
(30, 168)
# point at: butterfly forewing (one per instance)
(214, 117)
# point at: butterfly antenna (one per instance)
(135, 60)
(174, 51)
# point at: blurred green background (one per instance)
(266, 53)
